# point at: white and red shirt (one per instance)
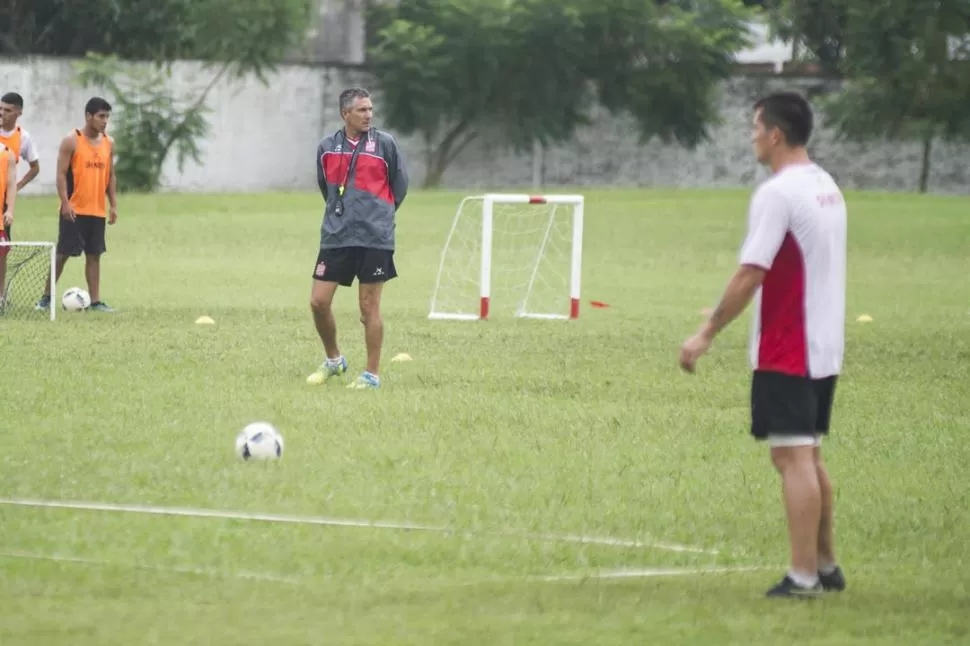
(797, 232)
(26, 149)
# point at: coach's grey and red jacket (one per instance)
(375, 190)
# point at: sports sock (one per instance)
(827, 568)
(803, 580)
(335, 362)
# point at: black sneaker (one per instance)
(834, 581)
(788, 588)
(44, 303)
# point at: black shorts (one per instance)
(788, 405)
(85, 234)
(343, 264)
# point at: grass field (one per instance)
(497, 430)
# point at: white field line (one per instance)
(255, 576)
(642, 573)
(620, 542)
(609, 575)
(341, 522)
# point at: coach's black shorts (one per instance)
(85, 234)
(788, 405)
(344, 264)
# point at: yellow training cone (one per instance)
(204, 320)
(865, 318)
(404, 356)
(316, 378)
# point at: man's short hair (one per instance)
(95, 105)
(790, 112)
(348, 96)
(12, 98)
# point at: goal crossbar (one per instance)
(486, 254)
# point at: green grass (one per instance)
(583, 427)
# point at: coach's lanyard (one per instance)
(353, 158)
(352, 166)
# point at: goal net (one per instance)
(517, 255)
(25, 268)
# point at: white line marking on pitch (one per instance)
(642, 573)
(341, 522)
(620, 542)
(609, 575)
(255, 576)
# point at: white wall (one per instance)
(265, 137)
(260, 137)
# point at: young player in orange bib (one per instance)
(85, 178)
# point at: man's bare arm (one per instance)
(29, 176)
(11, 184)
(739, 292)
(64, 155)
(113, 183)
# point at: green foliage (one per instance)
(524, 70)
(253, 34)
(907, 72)
(662, 66)
(817, 26)
(234, 37)
(151, 120)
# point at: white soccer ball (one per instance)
(259, 441)
(75, 299)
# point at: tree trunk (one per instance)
(447, 150)
(538, 164)
(924, 171)
(435, 171)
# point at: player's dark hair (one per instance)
(351, 94)
(12, 98)
(96, 105)
(790, 112)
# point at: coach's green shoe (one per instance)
(329, 368)
(366, 380)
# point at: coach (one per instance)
(363, 181)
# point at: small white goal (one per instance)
(519, 255)
(25, 269)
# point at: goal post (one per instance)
(25, 268)
(512, 254)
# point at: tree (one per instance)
(152, 119)
(818, 26)
(454, 71)
(906, 65)
(231, 37)
(254, 33)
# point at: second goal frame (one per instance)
(489, 200)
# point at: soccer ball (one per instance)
(75, 299)
(259, 441)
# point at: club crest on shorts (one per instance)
(321, 269)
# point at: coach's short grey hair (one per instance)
(348, 96)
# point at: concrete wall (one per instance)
(264, 138)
